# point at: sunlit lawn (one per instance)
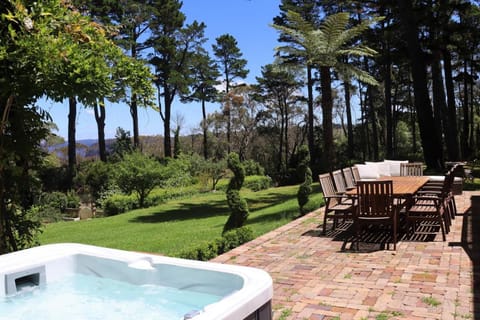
(180, 224)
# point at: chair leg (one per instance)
(325, 223)
(442, 226)
(394, 230)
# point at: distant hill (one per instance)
(88, 148)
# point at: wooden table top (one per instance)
(402, 186)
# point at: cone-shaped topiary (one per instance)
(237, 205)
(305, 173)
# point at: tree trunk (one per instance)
(100, 114)
(327, 110)
(281, 135)
(374, 123)
(432, 149)
(452, 138)
(72, 151)
(205, 131)
(466, 114)
(167, 143)
(439, 99)
(133, 102)
(310, 132)
(287, 149)
(439, 103)
(134, 114)
(348, 109)
(388, 107)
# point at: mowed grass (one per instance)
(180, 225)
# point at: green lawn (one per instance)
(180, 224)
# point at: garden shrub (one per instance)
(56, 199)
(73, 200)
(138, 174)
(229, 240)
(238, 206)
(257, 183)
(119, 203)
(253, 168)
(305, 173)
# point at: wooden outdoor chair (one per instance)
(337, 206)
(339, 180)
(356, 174)
(349, 179)
(375, 205)
(433, 204)
(411, 169)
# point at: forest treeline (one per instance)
(352, 80)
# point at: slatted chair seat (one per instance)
(376, 206)
(337, 206)
(433, 205)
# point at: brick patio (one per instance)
(320, 277)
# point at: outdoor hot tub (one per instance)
(74, 281)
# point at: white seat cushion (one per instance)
(395, 166)
(368, 171)
(383, 167)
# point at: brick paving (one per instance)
(319, 277)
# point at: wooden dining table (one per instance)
(404, 187)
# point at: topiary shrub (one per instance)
(238, 206)
(305, 173)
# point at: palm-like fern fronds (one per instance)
(327, 45)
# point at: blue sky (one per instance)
(247, 20)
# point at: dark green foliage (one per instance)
(98, 177)
(138, 174)
(238, 206)
(257, 183)
(123, 144)
(119, 203)
(57, 200)
(304, 172)
(229, 240)
(253, 168)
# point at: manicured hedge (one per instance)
(230, 240)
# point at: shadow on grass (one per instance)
(185, 211)
(267, 200)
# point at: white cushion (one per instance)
(436, 178)
(383, 167)
(395, 166)
(368, 171)
(441, 178)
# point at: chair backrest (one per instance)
(328, 190)
(326, 182)
(411, 169)
(375, 199)
(356, 174)
(349, 179)
(448, 183)
(339, 181)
